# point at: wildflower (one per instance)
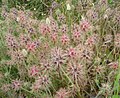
(53, 22)
(54, 5)
(11, 42)
(31, 46)
(62, 93)
(57, 57)
(29, 14)
(103, 2)
(35, 86)
(5, 87)
(117, 17)
(76, 36)
(33, 71)
(31, 30)
(106, 87)
(61, 18)
(100, 69)
(65, 39)
(24, 39)
(92, 40)
(113, 65)
(14, 11)
(53, 25)
(64, 28)
(117, 40)
(85, 53)
(36, 43)
(44, 29)
(68, 7)
(54, 37)
(16, 84)
(71, 52)
(108, 38)
(85, 25)
(42, 82)
(22, 16)
(46, 65)
(32, 23)
(77, 72)
(92, 15)
(4, 13)
(17, 56)
(75, 28)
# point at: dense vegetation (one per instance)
(60, 49)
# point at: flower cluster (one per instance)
(61, 52)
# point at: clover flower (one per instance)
(54, 37)
(43, 82)
(71, 53)
(77, 73)
(17, 57)
(31, 46)
(92, 15)
(5, 87)
(62, 93)
(92, 40)
(24, 39)
(58, 57)
(65, 39)
(33, 71)
(113, 65)
(46, 66)
(77, 36)
(117, 40)
(11, 42)
(85, 25)
(63, 28)
(44, 29)
(61, 18)
(16, 84)
(86, 54)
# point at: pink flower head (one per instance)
(117, 40)
(75, 27)
(41, 83)
(24, 39)
(31, 46)
(54, 37)
(22, 16)
(11, 41)
(16, 84)
(65, 39)
(103, 1)
(36, 86)
(85, 25)
(76, 35)
(90, 41)
(71, 52)
(64, 28)
(33, 71)
(113, 65)
(62, 93)
(44, 29)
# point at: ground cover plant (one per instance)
(72, 52)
